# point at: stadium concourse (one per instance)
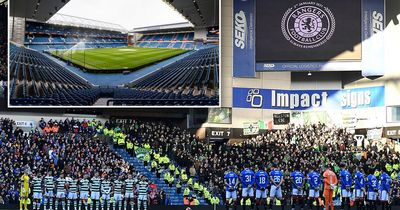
(63, 60)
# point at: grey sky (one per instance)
(127, 13)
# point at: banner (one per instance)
(141, 152)
(308, 99)
(251, 128)
(244, 38)
(374, 134)
(281, 119)
(373, 25)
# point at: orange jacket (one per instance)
(330, 178)
(55, 129)
(47, 129)
(186, 201)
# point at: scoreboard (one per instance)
(301, 35)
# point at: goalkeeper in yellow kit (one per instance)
(23, 201)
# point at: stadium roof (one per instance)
(61, 19)
(41, 10)
(201, 13)
(166, 27)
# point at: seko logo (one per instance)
(240, 30)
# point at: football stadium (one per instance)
(59, 59)
(309, 116)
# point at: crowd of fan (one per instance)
(311, 146)
(74, 150)
(178, 144)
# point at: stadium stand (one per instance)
(195, 75)
(38, 80)
(311, 147)
(42, 74)
(45, 36)
(82, 149)
(168, 40)
(161, 151)
(34, 77)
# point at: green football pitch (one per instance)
(126, 58)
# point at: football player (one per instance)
(37, 190)
(231, 184)
(372, 191)
(359, 188)
(247, 180)
(276, 178)
(315, 183)
(298, 182)
(262, 183)
(346, 182)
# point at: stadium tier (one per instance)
(43, 36)
(168, 40)
(69, 154)
(71, 31)
(177, 163)
(34, 76)
(196, 74)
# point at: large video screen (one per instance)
(319, 30)
(219, 115)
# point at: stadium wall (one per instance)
(300, 81)
(317, 81)
(391, 79)
(279, 80)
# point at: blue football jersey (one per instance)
(385, 182)
(314, 179)
(262, 179)
(297, 178)
(232, 178)
(247, 177)
(345, 179)
(359, 181)
(276, 176)
(372, 183)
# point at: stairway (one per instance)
(176, 199)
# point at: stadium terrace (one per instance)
(64, 60)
